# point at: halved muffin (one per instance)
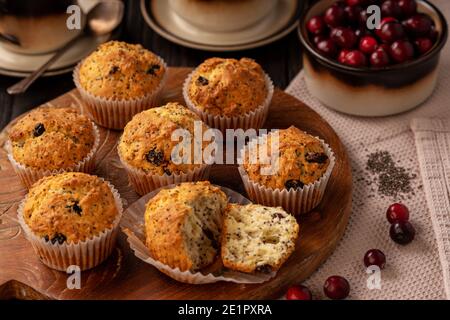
(257, 238)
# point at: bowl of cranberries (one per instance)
(372, 57)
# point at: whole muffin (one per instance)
(69, 208)
(146, 143)
(183, 225)
(228, 87)
(121, 71)
(52, 139)
(302, 161)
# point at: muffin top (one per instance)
(302, 160)
(183, 225)
(228, 87)
(120, 71)
(52, 138)
(70, 207)
(147, 143)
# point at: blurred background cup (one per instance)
(222, 15)
(36, 26)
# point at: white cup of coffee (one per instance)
(36, 27)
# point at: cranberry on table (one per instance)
(401, 51)
(391, 31)
(316, 25)
(402, 232)
(335, 16)
(418, 25)
(390, 8)
(343, 37)
(355, 58)
(407, 7)
(375, 257)
(336, 288)
(379, 58)
(397, 212)
(298, 292)
(327, 48)
(423, 45)
(368, 44)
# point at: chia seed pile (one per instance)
(391, 179)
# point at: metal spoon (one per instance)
(101, 20)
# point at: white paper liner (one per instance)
(144, 183)
(29, 175)
(115, 114)
(86, 254)
(133, 226)
(251, 120)
(297, 201)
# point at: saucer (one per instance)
(169, 25)
(20, 65)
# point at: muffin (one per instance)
(257, 238)
(71, 218)
(302, 163)
(146, 148)
(119, 80)
(183, 225)
(229, 93)
(51, 140)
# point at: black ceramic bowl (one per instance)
(366, 91)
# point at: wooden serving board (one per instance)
(123, 276)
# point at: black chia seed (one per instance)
(392, 179)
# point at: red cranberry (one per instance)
(342, 55)
(336, 288)
(316, 25)
(401, 51)
(335, 16)
(390, 8)
(397, 212)
(390, 31)
(423, 45)
(298, 292)
(402, 232)
(407, 7)
(385, 47)
(354, 3)
(318, 38)
(368, 44)
(379, 58)
(352, 14)
(418, 25)
(343, 37)
(327, 48)
(375, 257)
(356, 59)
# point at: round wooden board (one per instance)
(123, 276)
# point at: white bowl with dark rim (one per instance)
(366, 91)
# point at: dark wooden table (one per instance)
(280, 59)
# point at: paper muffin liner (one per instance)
(133, 226)
(252, 120)
(144, 183)
(297, 201)
(115, 114)
(29, 175)
(86, 254)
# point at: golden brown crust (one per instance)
(146, 143)
(52, 138)
(228, 87)
(302, 161)
(121, 71)
(70, 207)
(169, 237)
(256, 238)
